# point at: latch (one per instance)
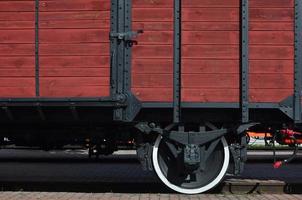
(127, 37)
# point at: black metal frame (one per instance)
(298, 61)
(244, 61)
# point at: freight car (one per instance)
(182, 80)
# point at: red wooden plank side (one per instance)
(210, 41)
(17, 61)
(152, 58)
(74, 48)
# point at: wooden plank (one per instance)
(269, 95)
(197, 66)
(152, 80)
(232, 37)
(232, 52)
(212, 95)
(153, 94)
(16, 25)
(153, 51)
(152, 66)
(77, 91)
(152, 15)
(232, 66)
(271, 52)
(232, 14)
(268, 14)
(234, 26)
(17, 36)
(17, 92)
(17, 61)
(75, 72)
(17, 16)
(152, 26)
(74, 81)
(219, 81)
(17, 6)
(91, 49)
(12, 72)
(74, 15)
(17, 82)
(71, 5)
(156, 37)
(73, 36)
(73, 24)
(236, 3)
(269, 81)
(210, 14)
(17, 49)
(74, 61)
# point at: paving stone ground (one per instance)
(128, 196)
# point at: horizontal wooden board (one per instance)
(74, 15)
(211, 95)
(74, 61)
(13, 72)
(77, 91)
(17, 92)
(232, 52)
(11, 5)
(17, 62)
(74, 81)
(232, 14)
(17, 25)
(234, 26)
(216, 3)
(233, 37)
(227, 81)
(71, 5)
(236, 3)
(92, 49)
(75, 72)
(197, 66)
(17, 82)
(73, 36)
(75, 24)
(214, 51)
(214, 26)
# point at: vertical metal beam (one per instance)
(113, 47)
(298, 61)
(37, 60)
(128, 51)
(244, 61)
(118, 20)
(177, 63)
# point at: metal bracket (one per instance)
(286, 106)
(133, 108)
(199, 138)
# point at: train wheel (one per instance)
(170, 168)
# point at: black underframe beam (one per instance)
(244, 61)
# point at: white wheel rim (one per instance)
(191, 191)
